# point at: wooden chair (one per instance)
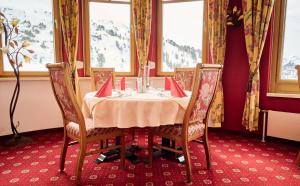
(194, 125)
(184, 77)
(298, 72)
(76, 127)
(100, 75)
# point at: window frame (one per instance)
(279, 85)
(160, 35)
(57, 47)
(86, 37)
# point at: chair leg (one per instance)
(298, 159)
(81, 155)
(187, 161)
(123, 152)
(63, 153)
(133, 134)
(150, 146)
(207, 153)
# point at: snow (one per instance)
(110, 35)
(182, 39)
(36, 25)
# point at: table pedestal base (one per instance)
(179, 158)
(108, 156)
(115, 154)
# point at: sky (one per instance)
(292, 29)
(27, 4)
(183, 22)
(110, 11)
(175, 18)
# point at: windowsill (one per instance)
(283, 95)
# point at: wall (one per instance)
(36, 109)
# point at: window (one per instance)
(286, 49)
(109, 35)
(181, 40)
(37, 26)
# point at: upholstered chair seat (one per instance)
(195, 130)
(74, 130)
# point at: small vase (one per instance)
(140, 85)
(146, 76)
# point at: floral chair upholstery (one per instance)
(184, 77)
(195, 121)
(61, 93)
(76, 127)
(100, 75)
(208, 83)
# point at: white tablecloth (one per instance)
(150, 109)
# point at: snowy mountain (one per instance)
(176, 55)
(37, 27)
(110, 45)
(288, 70)
(116, 37)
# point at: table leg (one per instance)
(114, 154)
(298, 159)
(167, 143)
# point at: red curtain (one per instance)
(153, 38)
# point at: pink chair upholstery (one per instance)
(184, 77)
(100, 75)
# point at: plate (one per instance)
(115, 95)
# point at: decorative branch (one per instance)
(234, 16)
(16, 56)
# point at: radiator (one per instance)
(284, 125)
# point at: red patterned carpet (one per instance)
(236, 160)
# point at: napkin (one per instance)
(167, 83)
(122, 83)
(176, 90)
(105, 89)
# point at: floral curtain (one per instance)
(217, 12)
(142, 14)
(69, 15)
(257, 15)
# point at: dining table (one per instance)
(131, 109)
(127, 109)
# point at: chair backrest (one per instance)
(206, 79)
(184, 77)
(298, 72)
(100, 75)
(60, 77)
